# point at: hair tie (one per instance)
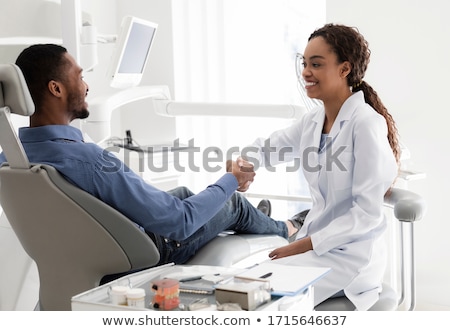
(357, 84)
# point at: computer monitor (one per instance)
(131, 52)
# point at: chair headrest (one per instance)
(14, 92)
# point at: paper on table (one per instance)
(286, 279)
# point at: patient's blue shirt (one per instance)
(103, 175)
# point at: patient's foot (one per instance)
(265, 207)
(295, 223)
(292, 230)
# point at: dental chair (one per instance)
(75, 239)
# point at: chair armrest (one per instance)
(408, 206)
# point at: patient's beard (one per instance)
(79, 107)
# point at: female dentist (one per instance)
(349, 153)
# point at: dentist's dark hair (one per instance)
(40, 64)
(349, 45)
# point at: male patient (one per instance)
(179, 222)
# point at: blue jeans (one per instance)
(238, 215)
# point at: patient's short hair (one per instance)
(40, 64)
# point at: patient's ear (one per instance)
(55, 88)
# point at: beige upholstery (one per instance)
(230, 249)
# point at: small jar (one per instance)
(118, 295)
(136, 297)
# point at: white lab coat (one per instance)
(346, 220)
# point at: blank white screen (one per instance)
(137, 48)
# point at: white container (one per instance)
(118, 295)
(136, 297)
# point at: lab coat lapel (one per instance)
(344, 115)
(313, 157)
(318, 121)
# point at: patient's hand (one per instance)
(243, 171)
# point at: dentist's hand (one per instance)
(243, 171)
(296, 247)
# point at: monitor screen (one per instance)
(131, 52)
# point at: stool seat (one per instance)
(388, 302)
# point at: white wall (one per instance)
(410, 70)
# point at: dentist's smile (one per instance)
(309, 84)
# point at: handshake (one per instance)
(243, 171)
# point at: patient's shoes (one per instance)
(265, 207)
(297, 221)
